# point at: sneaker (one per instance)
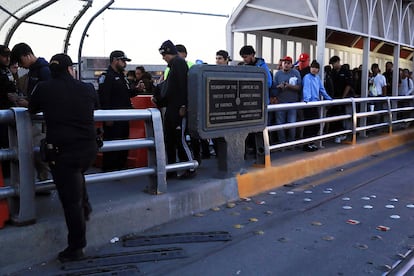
(314, 147)
(71, 255)
(307, 148)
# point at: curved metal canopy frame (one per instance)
(32, 11)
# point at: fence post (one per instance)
(389, 107)
(354, 121)
(156, 155)
(22, 207)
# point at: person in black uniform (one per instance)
(176, 91)
(7, 89)
(68, 106)
(115, 93)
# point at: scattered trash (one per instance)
(199, 215)
(373, 196)
(290, 192)
(346, 199)
(347, 207)
(394, 200)
(259, 232)
(376, 237)
(114, 240)
(246, 199)
(409, 205)
(283, 239)
(307, 192)
(328, 238)
(395, 216)
(261, 202)
(247, 208)
(361, 246)
(386, 267)
(272, 193)
(268, 212)
(368, 207)
(290, 185)
(389, 206)
(238, 226)
(352, 221)
(383, 228)
(316, 223)
(235, 213)
(215, 209)
(365, 198)
(307, 199)
(253, 220)
(231, 205)
(327, 191)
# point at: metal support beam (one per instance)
(73, 24)
(23, 19)
(85, 32)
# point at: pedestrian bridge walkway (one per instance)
(121, 207)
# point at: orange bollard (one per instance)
(138, 157)
(4, 208)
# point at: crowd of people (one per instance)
(71, 139)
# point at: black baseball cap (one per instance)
(117, 54)
(224, 54)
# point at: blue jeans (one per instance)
(286, 116)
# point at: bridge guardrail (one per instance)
(22, 187)
(21, 190)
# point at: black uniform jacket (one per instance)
(68, 107)
(115, 92)
(6, 86)
(176, 90)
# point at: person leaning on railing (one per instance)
(313, 89)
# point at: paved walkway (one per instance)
(121, 207)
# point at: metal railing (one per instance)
(389, 112)
(22, 187)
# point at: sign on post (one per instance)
(227, 102)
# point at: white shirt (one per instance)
(379, 82)
(406, 87)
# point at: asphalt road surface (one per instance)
(354, 220)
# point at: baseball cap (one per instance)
(287, 58)
(303, 57)
(117, 54)
(224, 54)
(4, 51)
(60, 63)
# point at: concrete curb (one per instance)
(262, 180)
